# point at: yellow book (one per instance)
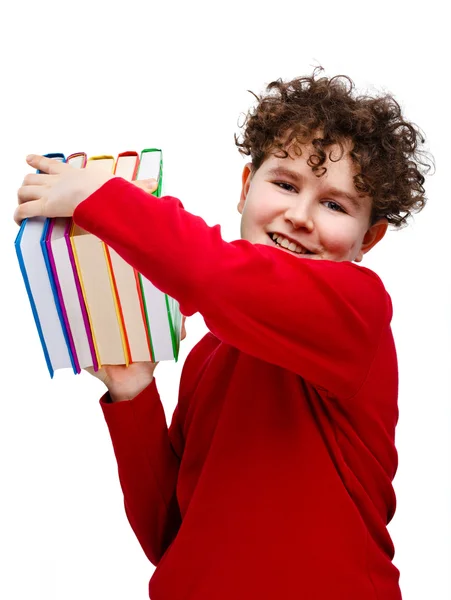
(94, 271)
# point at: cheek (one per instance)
(339, 238)
(257, 213)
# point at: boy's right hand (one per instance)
(124, 383)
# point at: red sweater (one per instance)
(274, 480)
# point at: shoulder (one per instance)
(361, 287)
(348, 280)
(364, 281)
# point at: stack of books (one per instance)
(91, 308)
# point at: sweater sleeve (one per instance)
(318, 318)
(148, 458)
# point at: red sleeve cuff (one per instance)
(119, 413)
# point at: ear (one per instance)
(246, 178)
(374, 235)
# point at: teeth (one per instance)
(281, 241)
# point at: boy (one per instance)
(275, 477)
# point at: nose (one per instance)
(299, 214)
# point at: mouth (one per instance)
(285, 243)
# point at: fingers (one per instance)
(148, 185)
(29, 192)
(34, 208)
(46, 165)
(183, 330)
(37, 179)
(34, 188)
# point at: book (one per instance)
(67, 282)
(39, 285)
(90, 306)
(161, 312)
(126, 281)
(97, 287)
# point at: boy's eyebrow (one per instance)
(297, 178)
(355, 200)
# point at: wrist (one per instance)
(94, 180)
(123, 395)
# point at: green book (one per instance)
(162, 313)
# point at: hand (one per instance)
(59, 189)
(124, 383)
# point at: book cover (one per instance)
(125, 277)
(41, 291)
(98, 287)
(66, 277)
(162, 313)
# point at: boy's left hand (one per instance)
(59, 189)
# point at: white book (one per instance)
(150, 167)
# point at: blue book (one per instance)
(42, 294)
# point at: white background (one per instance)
(105, 77)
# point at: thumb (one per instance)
(148, 185)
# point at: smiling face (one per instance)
(284, 204)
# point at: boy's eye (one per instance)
(285, 186)
(334, 206)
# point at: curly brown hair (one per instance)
(385, 147)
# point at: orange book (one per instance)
(126, 281)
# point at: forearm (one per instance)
(148, 468)
(320, 319)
